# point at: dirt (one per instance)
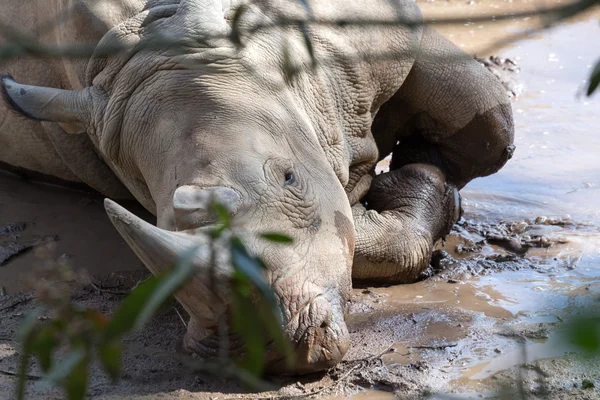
(523, 261)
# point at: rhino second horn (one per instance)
(47, 104)
(160, 250)
(191, 205)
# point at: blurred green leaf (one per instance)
(26, 336)
(76, 382)
(124, 318)
(276, 237)
(585, 333)
(98, 319)
(251, 333)
(594, 79)
(63, 369)
(223, 216)
(44, 344)
(252, 267)
(273, 325)
(110, 356)
(142, 303)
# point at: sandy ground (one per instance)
(498, 298)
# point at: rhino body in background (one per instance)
(172, 126)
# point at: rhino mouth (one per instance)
(303, 360)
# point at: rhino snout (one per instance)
(321, 338)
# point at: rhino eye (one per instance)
(290, 178)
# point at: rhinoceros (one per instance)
(205, 117)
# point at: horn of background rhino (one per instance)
(159, 250)
(47, 104)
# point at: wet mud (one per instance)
(522, 263)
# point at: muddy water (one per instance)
(84, 235)
(555, 173)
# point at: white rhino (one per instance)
(171, 125)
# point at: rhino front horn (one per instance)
(160, 250)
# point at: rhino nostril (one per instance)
(324, 324)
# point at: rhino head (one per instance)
(179, 128)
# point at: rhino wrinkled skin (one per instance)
(174, 126)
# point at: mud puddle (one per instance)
(525, 260)
(550, 190)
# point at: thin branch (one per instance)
(180, 317)
(16, 374)
(100, 289)
(20, 44)
(16, 303)
(440, 347)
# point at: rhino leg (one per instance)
(450, 122)
(404, 213)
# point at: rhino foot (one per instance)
(405, 212)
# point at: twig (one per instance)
(118, 292)
(30, 377)
(180, 317)
(358, 363)
(100, 289)
(440, 347)
(20, 44)
(316, 391)
(334, 384)
(25, 300)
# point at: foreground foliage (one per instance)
(84, 335)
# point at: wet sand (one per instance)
(461, 331)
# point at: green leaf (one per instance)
(143, 302)
(585, 333)
(244, 323)
(246, 312)
(594, 79)
(276, 237)
(76, 381)
(124, 318)
(29, 324)
(251, 267)
(167, 286)
(26, 336)
(62, 370)
(110, 357)
(224, 218)
(43, 346)
(273, 325)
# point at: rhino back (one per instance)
(41, 149)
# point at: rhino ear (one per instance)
(47, 104)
